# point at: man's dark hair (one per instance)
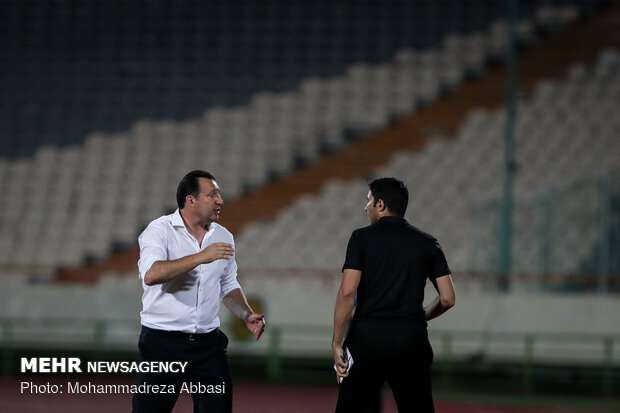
(190, 185)
(393, 192)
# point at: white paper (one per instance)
(349, 359)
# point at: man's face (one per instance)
(371, 209)
(209, 201)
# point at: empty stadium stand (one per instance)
(456, 197)
(104, 185)
(74, 67)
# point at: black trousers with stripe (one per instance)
(207, 365)
(391, 351)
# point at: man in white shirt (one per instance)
(187, 266)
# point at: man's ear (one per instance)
(189, 200)
(381, 205)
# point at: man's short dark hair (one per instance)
(393, 192)
(190, 185)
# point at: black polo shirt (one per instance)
(395, 259)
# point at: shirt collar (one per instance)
(176, 219)
(391, 219)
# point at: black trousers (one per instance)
(207, 369)
(396, 352)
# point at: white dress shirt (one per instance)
(189, 302)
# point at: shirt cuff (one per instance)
(145, 265)
(228, 288)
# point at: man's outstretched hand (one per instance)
(256, 324)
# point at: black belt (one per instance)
(182, 334)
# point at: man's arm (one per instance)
(343, 312)
(236, 302)
(444, 301)
(162, 271)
